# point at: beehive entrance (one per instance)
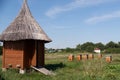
(39, 53)
(29, 53)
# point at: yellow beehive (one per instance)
(108, 59)
(79, 57)
(71, 57)
(85, 57)
(90, 56)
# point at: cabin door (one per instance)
(39, 53)
(29, 53)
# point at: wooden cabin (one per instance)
(23, 42)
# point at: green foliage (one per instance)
(110, 47)
(112, 50)
(115, 67)
(69, 50)
(100, 46)
(96, 69)
(112, 44)
(88, 47)
(78, 47)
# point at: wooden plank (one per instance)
(43, 70)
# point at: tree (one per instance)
(88, 46)
(69, 49)
(111, 44)
(78, 47)
(100, 46)
(119, 44)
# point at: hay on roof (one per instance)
(24, 27)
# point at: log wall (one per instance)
(24, 53)
(13, 54)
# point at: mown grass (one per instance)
(95, 69)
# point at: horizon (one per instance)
(69, 22)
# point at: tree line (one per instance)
(110, 47)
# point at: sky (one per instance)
(69, 22)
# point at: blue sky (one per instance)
(69, 22)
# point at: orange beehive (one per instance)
(90, 56)
(108, 59)
(99, 56)
(71, 57)
(79, 57)
(85, 57)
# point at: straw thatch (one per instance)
(24, 27)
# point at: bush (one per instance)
(69, 50)
(112, 50)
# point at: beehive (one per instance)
(71, 57)
(85, 57)
(79, 57)
(108, 59)
(90, 56)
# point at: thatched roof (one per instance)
(24, 27)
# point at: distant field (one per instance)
(96, 69)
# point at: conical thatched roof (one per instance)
(24, 27)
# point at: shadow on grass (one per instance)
(53, 67)
(1, 78)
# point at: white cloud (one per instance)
(102, 18)
(73, 5)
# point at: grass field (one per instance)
(96, 69)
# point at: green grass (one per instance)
(96, 69)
